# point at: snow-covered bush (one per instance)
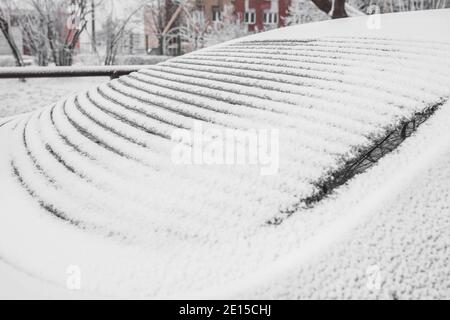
(387, 6)
(304, 11)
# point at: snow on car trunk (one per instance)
(101, 163)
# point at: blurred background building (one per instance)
(115, 31)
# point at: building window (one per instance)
(198, 16)
(216, 14)
(250, 17)
(270, 17)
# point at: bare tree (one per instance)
(35, 40)
(115, 30)
(187, 29)
(56, 26)
(228, 28)
(194, 27)
(156, 12)
(94, 5)
(5, 27)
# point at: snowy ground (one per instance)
(19, 97)
(88, 190)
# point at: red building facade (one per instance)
(262, 14)
(257, 14)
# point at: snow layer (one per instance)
(89, 181)
(400, 230)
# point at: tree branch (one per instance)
(4, 26)
(333, 8)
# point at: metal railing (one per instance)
(66, 72)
